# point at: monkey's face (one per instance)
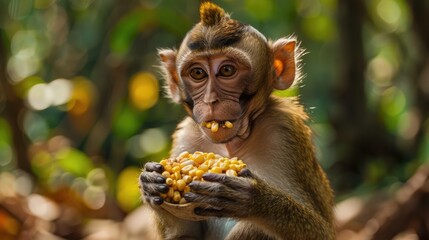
(224, 71)
(213, 85)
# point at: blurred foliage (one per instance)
(89, 102)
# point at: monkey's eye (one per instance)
(198, 73)
(227, 71)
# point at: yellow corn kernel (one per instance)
(228, 124)
(187, 178)
(176, 168)
(176, 196)
(216, 170)
(215, 127)
(231, 173)
(233, 167)
(187, 189)
(170, 192)
(199, 173)
(169, 181)
(186, 169)
(224, 166)
(187, 163)
(166, 174)
(210, 155)
(182, 201)
(184, 154)
(163, 162)
(199, 158)
(168, 168)
(174, 185)
(208, 125)
(210, 163)
(192, 172)
(181, 184)
(204, 167)
(177, 175)
(196, 178)
(217, 162)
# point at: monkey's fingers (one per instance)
(151, 189)
(151, 177)
(153, 200)
(213, 202)
(245, 172)
(213, 189)
(153, 167)
(232, 182)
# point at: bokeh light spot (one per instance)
(43, 207)
(389, 11)
(8, 185)
(40, 96)
(128, 194)
(381, 71)
(153, 140)
(94, 197)
(82, 96)
(6, 154)
(97, 177)
(61, 89)
(144, 90)
(35, 127)
(393, 101)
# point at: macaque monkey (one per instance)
(224, 72)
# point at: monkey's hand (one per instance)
(224, 196)
(152, 183)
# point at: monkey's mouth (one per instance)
(214, 125)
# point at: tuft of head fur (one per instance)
(210, 13)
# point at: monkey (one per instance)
(225, 70)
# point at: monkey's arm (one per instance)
(251, 199)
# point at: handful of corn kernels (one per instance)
(188, 167)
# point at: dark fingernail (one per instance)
(187, 196)
(163, 188)
(244, 173)
(158, 200)
(159, 167)
(160, 180)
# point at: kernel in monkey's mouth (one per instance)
(214, 125)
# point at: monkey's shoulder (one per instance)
(289, 108)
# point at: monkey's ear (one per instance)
(284, 63)
(168, 67)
